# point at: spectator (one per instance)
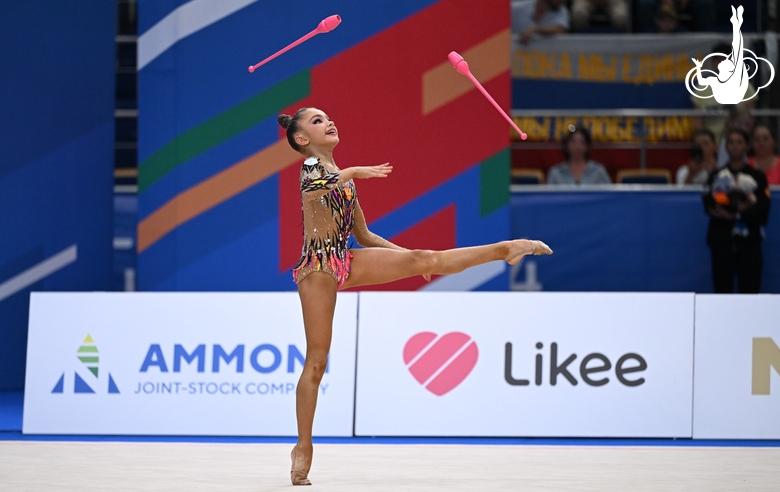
(666, 20)
(765, 158)
(615, 10)
(740, 118)
(701, 13)
(545, 17)
(737, 201)
(577, 168)
(703, 160)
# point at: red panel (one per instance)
(435, 232)
(373, 92)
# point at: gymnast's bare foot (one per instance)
(300, 467)
(521, 247)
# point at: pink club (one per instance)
(328, 24)
(463, 68)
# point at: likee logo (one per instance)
(730, 83)
(89, 356)
(766, 355)
(440, 364)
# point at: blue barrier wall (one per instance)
(624, 241)
(56, 158)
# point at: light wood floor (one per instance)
(109, 466)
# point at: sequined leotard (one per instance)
(328, 207)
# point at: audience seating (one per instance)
(644, 176)
(527, 176)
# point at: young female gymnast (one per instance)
(331, 213)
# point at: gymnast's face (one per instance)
(317, 130)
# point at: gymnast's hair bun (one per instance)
(284, 120)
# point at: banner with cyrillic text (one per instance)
(606, 71)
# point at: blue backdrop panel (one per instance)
(626, 241)
(56, 164)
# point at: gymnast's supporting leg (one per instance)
(381, 265)
(318, 301)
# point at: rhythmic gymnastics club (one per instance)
(462, 67)
(328, 24)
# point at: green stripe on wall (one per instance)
(86, 359)
(87, 348)
(494, 182)
(222, 127)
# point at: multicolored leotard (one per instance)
(328, 218)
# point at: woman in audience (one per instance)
(737, 200)
(704, 159)
(765, 158)
(577, 168)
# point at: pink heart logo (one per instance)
(440, 364)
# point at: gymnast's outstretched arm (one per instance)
(317, 181)
(366, 238)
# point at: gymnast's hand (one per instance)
(365, 172)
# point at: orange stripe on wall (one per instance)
(486, 60)
(217, 189)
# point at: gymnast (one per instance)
(331, 213)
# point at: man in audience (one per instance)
(701, 13)
(704, 160)
(545, 17)
(666, 20)
(615, 10)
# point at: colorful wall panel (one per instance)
(219, 207)
(56, 159)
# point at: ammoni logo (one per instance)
(89, 356)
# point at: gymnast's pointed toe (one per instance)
(541, 249)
